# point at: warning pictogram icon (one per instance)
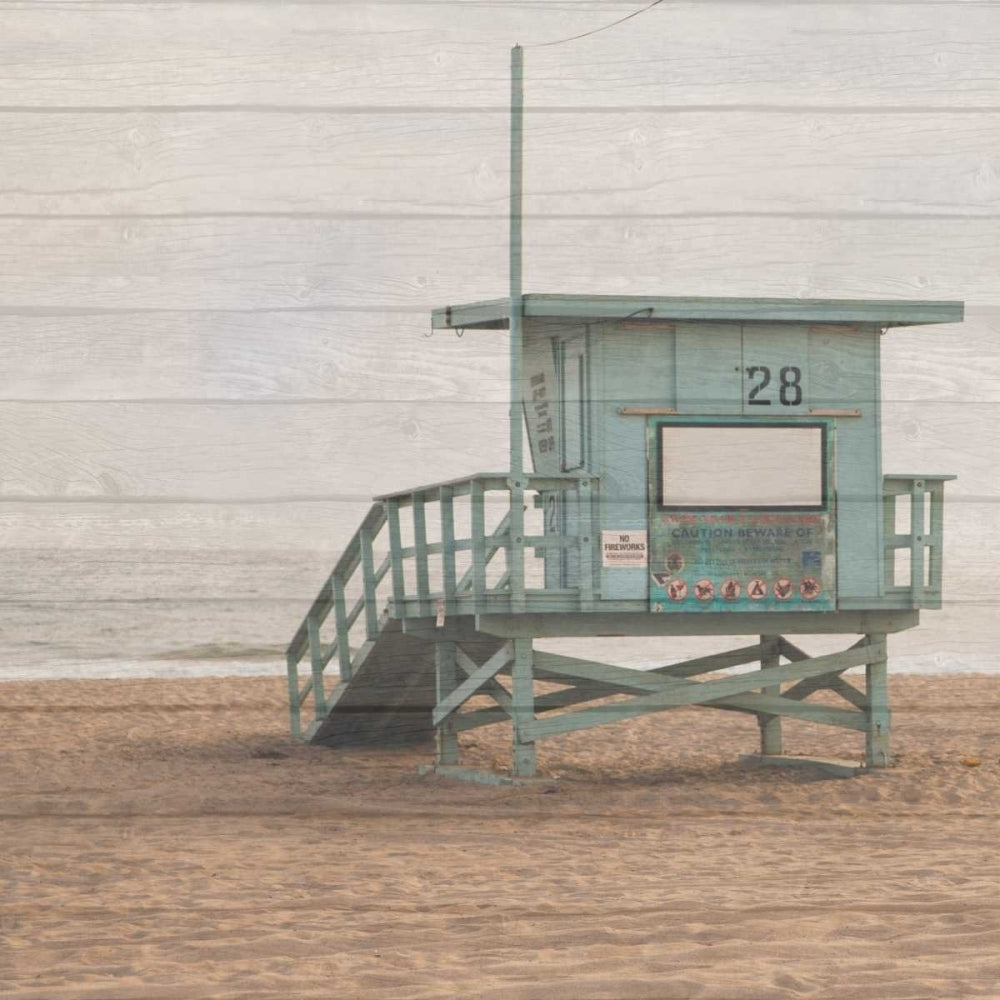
(757, 589)
(677, 590)
(704, 590)
(782, 588)
(675, 562)
(809, 588)
(730, 589)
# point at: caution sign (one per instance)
(809, 588)
(704, 590)
(783, 588)
(624, 549)
(677, 590)
(731, 589)
(757, 589)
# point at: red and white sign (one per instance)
(783, 588)
(757, 589)
(809, 588)
(704, 590)
(677, 590)
(730, 589)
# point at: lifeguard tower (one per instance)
(700, 467)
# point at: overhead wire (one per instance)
(594, 31)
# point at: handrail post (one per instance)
(395, 550)
(917, 542)
(936, 537)
(446, 501)
(316, 660)
(420, 550)
(478, 518)
(368, 583)
(294, 711)
(343, 633)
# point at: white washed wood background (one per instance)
(223, 226)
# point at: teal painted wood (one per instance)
(478, 528)
(523, 696)
(395, 551)
(770, 725)
(420, 550)
(464, 691)
(294, 702)
(492, 687)
(917, 515)
(493, 314)
(687, 693)
(515, 547)
(588, 546)
(849, 693)
(708, 370)
(343, 630)
(550, 619)
(877, 734)
(517, 482)
(317, 664)
(445, 737)
(448, 571)
(369, 582)
(935, 539)
(344, 568)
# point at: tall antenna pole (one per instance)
(516, 567)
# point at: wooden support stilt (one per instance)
(770, 725)
(523, 706)
(877, 681)
(445, 736)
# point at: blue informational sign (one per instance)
(711, 546)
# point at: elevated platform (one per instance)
(424, 635)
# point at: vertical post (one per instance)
(343, 632)
(770, 725)
(877, 684)
(889, 501)
(586, 537)
(936, 537)
(917, 543)
(445, 738)
(420, 553)
(316, 660)
(515, 551)
(478, 501)
(396, 550)
(368, 583)
(446, 499)
(523, 708)
(294, 710)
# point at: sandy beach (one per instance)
(167, 840)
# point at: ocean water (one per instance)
(83, 613)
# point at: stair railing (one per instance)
(358, 555)
(442, 592)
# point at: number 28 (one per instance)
(790, 381)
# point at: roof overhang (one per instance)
(495, 313)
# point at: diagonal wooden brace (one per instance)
(675, 693)
(491, 686)
(473, 683)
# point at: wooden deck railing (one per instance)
(922, 498)
(422, 556)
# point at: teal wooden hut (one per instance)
(702, 466)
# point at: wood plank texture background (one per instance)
(223, 226)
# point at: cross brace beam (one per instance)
(659, 693)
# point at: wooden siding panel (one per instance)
(454, 162)
(113, 54)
